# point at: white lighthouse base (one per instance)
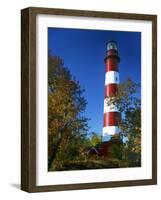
(111, 130)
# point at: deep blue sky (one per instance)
(83, 52)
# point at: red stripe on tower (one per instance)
(111, 119)
(111, 90)
(112, 116)
(111, 65)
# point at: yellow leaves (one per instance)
(65, 102)
(138, 129)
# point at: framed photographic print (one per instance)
(89, 99)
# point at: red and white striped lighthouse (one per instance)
(111, 114)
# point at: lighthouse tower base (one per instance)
(111, 146)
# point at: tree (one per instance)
(129, 104)
(66, 105)
(95, 139)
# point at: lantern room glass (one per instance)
(111, 45)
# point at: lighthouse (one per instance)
(112, 115)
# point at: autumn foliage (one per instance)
(66, 124)
(69, 139)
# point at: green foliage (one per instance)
(115, 151)
(95, 139)
(129, 105)
(98, 163)
(125, 98)
(67, 127)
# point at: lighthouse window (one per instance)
(116, 79)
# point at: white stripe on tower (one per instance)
(110, 108)
(111, 114)
(112, 77)
(111, 130)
